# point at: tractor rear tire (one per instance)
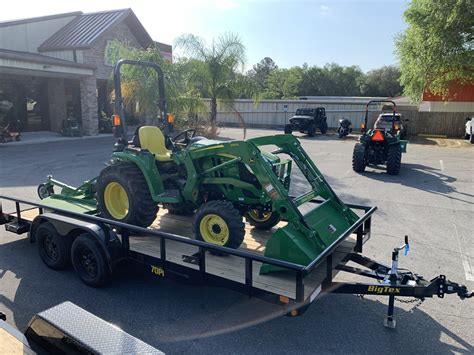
(263, 222)
(394, 159)
(311, 130)
(219, 223)
(288, 129)
(123, 195)
(358, 158)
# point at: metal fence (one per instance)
(276, 113)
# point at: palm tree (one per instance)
(216, 77)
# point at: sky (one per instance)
(347, 32)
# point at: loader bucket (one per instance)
(301, 244)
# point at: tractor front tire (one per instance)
(123, 195)
(394, 159)
(219, 223)
(288, 129)
(358, 158)
(262, 220)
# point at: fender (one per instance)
(145, 161)
(107, 239)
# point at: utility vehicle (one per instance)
(308, 120)
(381, 145)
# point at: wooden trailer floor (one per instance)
(233, 267)
(228, 267)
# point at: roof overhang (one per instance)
(34, 64)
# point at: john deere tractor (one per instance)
(219, 182)
(381, 145)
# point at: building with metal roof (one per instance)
(54, 68)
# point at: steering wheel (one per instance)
(183, 137)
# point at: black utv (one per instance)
(307, 120)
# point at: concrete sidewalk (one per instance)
(28, 138)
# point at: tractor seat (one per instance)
(153, 140)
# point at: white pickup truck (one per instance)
(469, 133)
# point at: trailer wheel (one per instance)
(394, 159)
(262, 220)
(358, 158)
(311, 130)
(219, 223)
(89, 261)
(123, 195)
(288, 129)
(54, 249)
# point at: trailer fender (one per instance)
(67, 226)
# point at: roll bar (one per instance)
(378, 101)
(120, 131)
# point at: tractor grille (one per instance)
(283, 171)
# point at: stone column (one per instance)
(90, 119)
(57, 103)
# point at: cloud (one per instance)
(226, 4)
(324, 8)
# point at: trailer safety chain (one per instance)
(418, 302)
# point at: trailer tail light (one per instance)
(170, 118)
(116, 121)
(378, 136)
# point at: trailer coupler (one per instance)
(393, 282)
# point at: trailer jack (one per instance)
(393, 282)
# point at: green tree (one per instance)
(437, 47)
(283, 83)
(260, 71)
(220, 61)
(140, 84)
(384, 81)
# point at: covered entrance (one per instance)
(37, 92)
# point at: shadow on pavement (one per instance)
(421, 177)
(177, 318)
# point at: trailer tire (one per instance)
(54, 249)
(89, 261)
(262, 221)
(394, 159)
(358, 158)
(288, 129)
(135, 204)
(219, 223)
(324, 127)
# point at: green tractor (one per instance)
(219, 182)
(381, 145)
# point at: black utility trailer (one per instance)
(95, 245)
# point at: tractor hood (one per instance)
(209, 144)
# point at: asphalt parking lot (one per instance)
(432, 201)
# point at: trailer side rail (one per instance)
(361, 228)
